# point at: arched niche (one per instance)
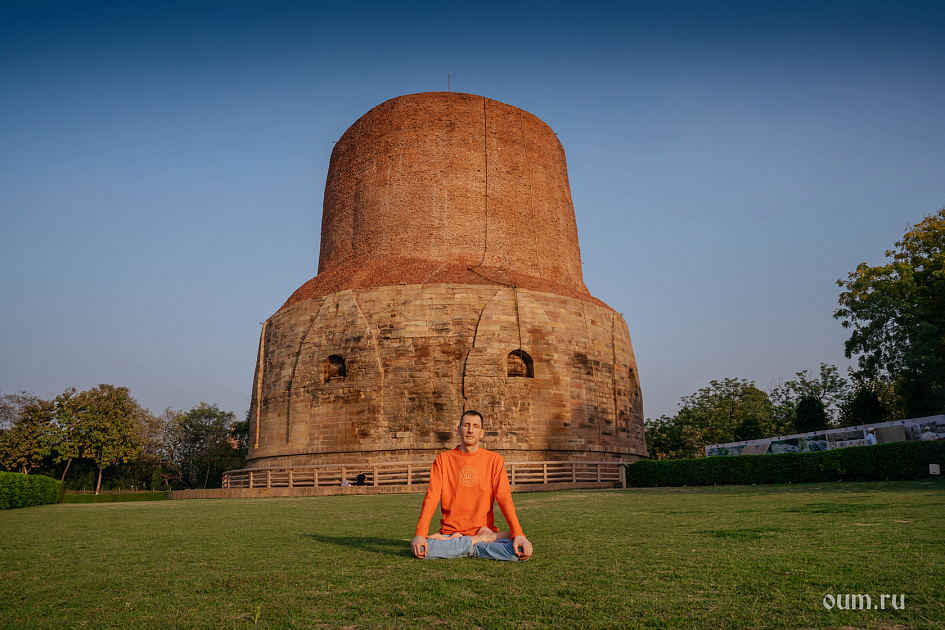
(334, 367)
(520, 364)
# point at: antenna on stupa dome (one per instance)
(447, 81)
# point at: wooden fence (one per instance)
(416, 473)
(119, 491)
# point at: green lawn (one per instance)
(730, 557)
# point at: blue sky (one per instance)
(162, 167)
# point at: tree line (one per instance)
(103, 438)
(896, 315)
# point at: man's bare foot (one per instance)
(439, 536)
(483, 535)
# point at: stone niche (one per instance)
(449, 279)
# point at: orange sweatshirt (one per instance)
(466, 486)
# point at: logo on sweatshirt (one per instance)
(468, 476)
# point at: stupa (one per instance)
(449, 278)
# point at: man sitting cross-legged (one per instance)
(466, 482)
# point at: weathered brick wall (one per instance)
(417, 356)
(448, 242)
(455, 179)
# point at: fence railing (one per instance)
(119, 491)
(415, 473)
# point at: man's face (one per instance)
(471, 431)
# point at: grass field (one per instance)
(114, 498)
(730, 557)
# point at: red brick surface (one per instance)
(456, 180)
(448, 242)
(391, 270)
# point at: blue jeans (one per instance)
(452, 548)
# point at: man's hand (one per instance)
(419, 546)
(522, 547)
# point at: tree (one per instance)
(161, 440)
(874, 400)
(666, 440)
(103, 426)
(11, 408)
(208, 445)
(750, 429)
(827, 386)
(28, 443)
(896, 313)
(66, 446)
(811, 415)
(716, 412)
(713, 415)
(865, 408)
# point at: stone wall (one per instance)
(416, 356)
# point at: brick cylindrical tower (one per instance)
(449, 278)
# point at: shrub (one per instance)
(895, 461)
(18, 490)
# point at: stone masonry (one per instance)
(449, 279)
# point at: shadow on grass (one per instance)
(386, 546)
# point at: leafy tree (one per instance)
(103, 426)
(28, 443)
(865, 408)
(712, 415)
(718, 410)
(921, 394)
(874, 400)
(241, 435)
(11, 408)
(208, 445)
(750, 429)
(811, 415)
(827, 386)
(161, 434)
(896, 313)
(665, 439)
(161, 443)
(65, 447)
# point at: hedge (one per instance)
(18, 490)
(894, 461)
